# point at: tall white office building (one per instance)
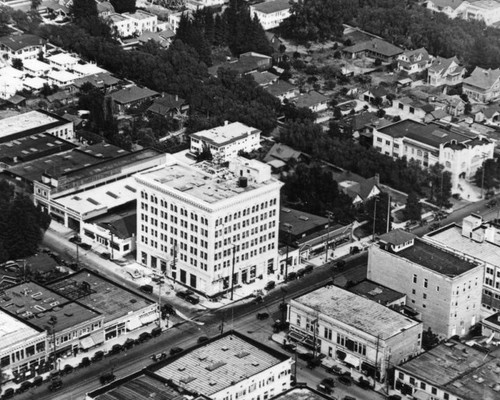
(205, 223)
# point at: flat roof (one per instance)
(88, 69)
(63, 58)
(301, 393)
(451, 237)
(107, 297)
(37, 304)
(375, 292)
(61, 76)
(273, 6)
(13, 331)
(203, 182)
(31, 147)
(436, 259)
(103, 197)
(27, 121)
(219, 364)
(458, 368)
(356, 311)
(300, 222)
(225, 134)
(36, 65)
(121, 222)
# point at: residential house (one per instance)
(490, 326)
(375, 48)
(374, 95)
(353, 330)
(440, 284)
(105, 9)
(169, 105)
(445, 71)
(487, 11)
(22, 47)
(312, 100)
(276, 44)
(483, 85)
(264, 78)
(34, 67)
(104, 81)
(360, 126)
(271, 13)
(62, 61)
(164, 38)
(461, 151)
(454, 105)
(247, 63)
(449, 7)
(361, 191)
(131, 97)
(489, 115)
(285, 153)
(283, 90)
(133, 24)
(413, 108)
(413, 61)
(61, 78)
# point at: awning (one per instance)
(148, 318)
(419, 395)
(7, 374)
(87, 343)
(97, 337)
(134, 323)
(350, 359)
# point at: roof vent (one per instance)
(303, 218)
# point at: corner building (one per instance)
(208, 226)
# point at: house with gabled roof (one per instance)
(375, 92)
(23, 47)
(132, 96)
(361, 191)
(489, 115)
(449, 7)
(413, 61)
(483, 85)
(445, 71)
(375, 48)
(313, 100)
(169, 105)
(271, 13)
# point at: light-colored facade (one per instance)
(449, 7)
(461, 152)
(483, 85)
(22, 47)
(445, 71)
(226, 141)
(271, 13)
(413, 61)
(62, 61)
(480, 241)
(354, 330)
(444, 287)
(127, 24)
(209, 227)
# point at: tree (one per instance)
(205, 154)
(83, 9)
(429, 339)
(35, 4)
(376, 208)
(122, 6)
(17, 63)
(490, 178)
(413, 208)
(440, 185)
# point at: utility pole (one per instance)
(289, 230)
(232, 271)
(374, 216)
(376, 358)
(327, 247)
(315, 327)
(160, 283)
(482, 175)
(388, 213)
(111, 245)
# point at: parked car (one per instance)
(348, 398)
(117, 348)
(270, 285)
(289, 347)
(328, 382)
(301, 272)
(85, 362)
(85, 246)
(98, 356)
(38, 381)
(346, 380)
(156, 331)
(107, 378)
(364, 383)
(262, 316)
(146, 288)
(158, 357)
(258, 300)
(25, 386)
(144, 336)
(68, 369)
(74, 239)
(105, 256)
(324, 389)
(492, 203)
(8, 394)
(176, 350)
(203, 339)
(291, 276)
(167, 308)
(354, 250)
(394, 397)
(340, 263)
(308, 269)
(189, 296)
(55, 385)
(334, 369)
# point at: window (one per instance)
(434, 390)
(414, 278)
(328, 333)
(425, 296)
(422, 385)
(426, 283)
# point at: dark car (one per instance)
(348, 398)
(176, 350)
(107, 378)
(74, 239)
(55, 385)
(68, 369)
(354, 250)
(291, 276)
(144, 336)
(262, 315)
(25, 386)
(301, 272)
(270, 285)
(346, 380)
(85, 246)
(189, 296)
(98, 356)
(105, 256)
(258, 300)
(340, 263)
(394, 397)
(491, 203)
(364, 383)
(308, 269)
(117, 348)
(167, 309)
(334, 369)
(38, 381)
(328, 382)
(324, 389)
(85, 362)
(203, 339)
(146, 288)
(289, 347)
(156, 331)
(8, 394)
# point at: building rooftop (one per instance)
(100, 198)
(121, 222)
(462, 370)
(166, 103)
(486, 4)
(397, 237)
(483, 78)
(63, 58)
(375, 292)
(270, 7)
(13, 330)
(139, 15)
(310, 99)
(301, 393)
(31, 147)
(376, 45)
(61, 76)
(280, 88)
(88, 69)
(132, 94)
(440, 65)
(18, 42)
(218, 364)
(36, 65)
(436, 259)
(38, 305)
(447, 3)
(98, 80)
(299, 222)
(30, 122)
(206, 183)
(226, 134)
(451, 237)
(263, 78)
(106, 297)
(356, 311)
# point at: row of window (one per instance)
(423, 386)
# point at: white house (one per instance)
(22, 47)
(413, 61)
(271, 13)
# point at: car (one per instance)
(38, 381)
(68, 369)
(203, 339)
(270, 285)
(262, 315)
(158, 357)
(167, 309)
(492, 203)
(354, 250)
(105, 256)
(328, 382)
(289, 347)
(8, 394)
(394, 397)
(258, 300)
(146, 289)
(176, 350)
(144, 336)
(345, 380)
(129, 343)
(156, 331)
(85, 246)
(334, 369)
(75, 239)
(117, 348)
(189, 296)
(25, 386)
(324, 389)
(341, 264)
(364, 383)
(107, 378)
(55, 385)
(308, 269)
(301, 272)
(98, 356)
(85, 362)
(291, 276)
(348, 398)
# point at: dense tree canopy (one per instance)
(122, 6)
(491, 177)
(21, 224)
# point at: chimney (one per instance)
(226, 123)
(377, 178)
(176, 97)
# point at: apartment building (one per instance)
(22, 47)
(444, 286)
(130, 24)
(207, 226)
(271, 13)
(226, 141)
(353, 330)
(478, 240)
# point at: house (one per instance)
(489, 115)
(413, 61)
(104, 81)
(164, 38)
(490, 326)
(104, 9)
(34, 67)
(440, 284)
(487, 11)
(276, 43)
(143, 21)
(360, 126)
(285, 153)
(461, 151)
(131, 97)
(372, 94)
(264, 78)
(478, 240)
(283, 90)
(271, 13)
(248, 62)
(414, 108)
(62, 61)
(314, 101)
(22, 47)
(452, 8)
(379, 294)
(169, 105)
(451, 371)
(353, 330)
(375, 48)
(361, 191)
(454, 105)
(483, 85)
(445, 71)
(61, 78)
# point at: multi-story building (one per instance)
(354, 330)
(22, 47)
(214, 227)
(23, 347)
(480, 241)
(226, 141)
(452, 8)
(63, 61)
(226, 367)
(128, 24)
(445, 71)
(482, 85)
(460, 151)
(271, 13)
(449, 371)
(413, 61)
(445, 287)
